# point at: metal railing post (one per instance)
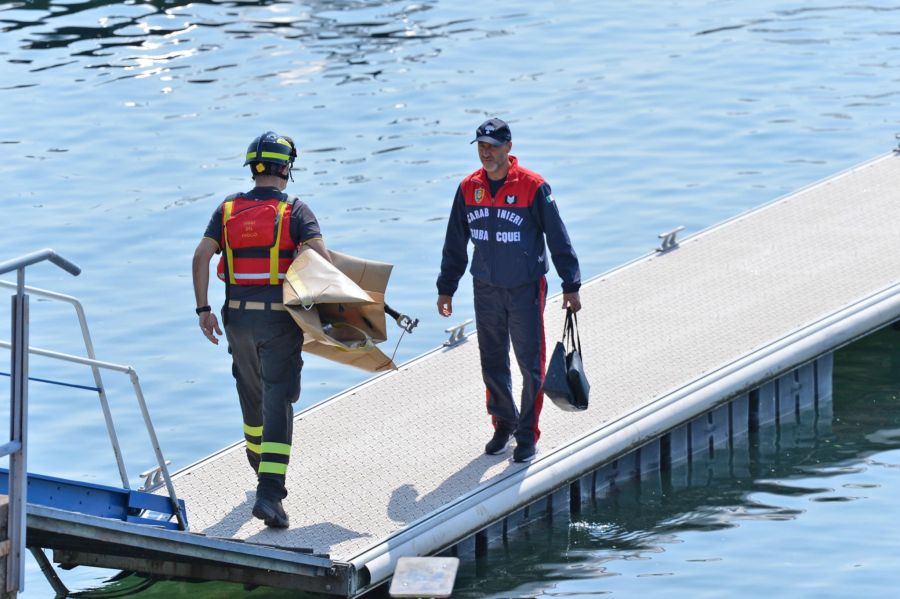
(182, 521)
(104, 403)
(18, 432)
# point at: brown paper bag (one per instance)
(340, 307)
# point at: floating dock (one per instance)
(684, 349)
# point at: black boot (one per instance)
(498, 443)
(524, 452)
(271, 512)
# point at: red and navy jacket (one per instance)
(507, 229)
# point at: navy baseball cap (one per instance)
(493, 131)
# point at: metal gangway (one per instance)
(17, 446)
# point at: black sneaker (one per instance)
(524, 453)
(271, 512)
(498, 443)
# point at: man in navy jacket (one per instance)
(508, 211)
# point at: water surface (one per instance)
(124, 124)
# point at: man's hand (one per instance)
(210, 324)
(445, 305)
(206, 249)
(572, 300)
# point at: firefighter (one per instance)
(258, 233)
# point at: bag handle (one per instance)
(571, 336)
(567, 330)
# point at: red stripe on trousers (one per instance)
(539, 398)
(487, 404)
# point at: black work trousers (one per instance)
(265, 347)
(512, 313)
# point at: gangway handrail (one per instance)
(98, 381)
(17, 446)
(139, 394)
(39, 256)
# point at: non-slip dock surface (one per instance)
(398, 448)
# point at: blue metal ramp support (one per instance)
(99, 500)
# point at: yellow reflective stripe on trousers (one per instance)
(253, 431)
(272, 468)
(229, 254)
(273, 251)
(276, 448)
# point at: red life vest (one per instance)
(257, 248)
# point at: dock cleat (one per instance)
(270, 512)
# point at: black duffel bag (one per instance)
(565, 382)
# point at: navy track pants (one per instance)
(512, 314)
